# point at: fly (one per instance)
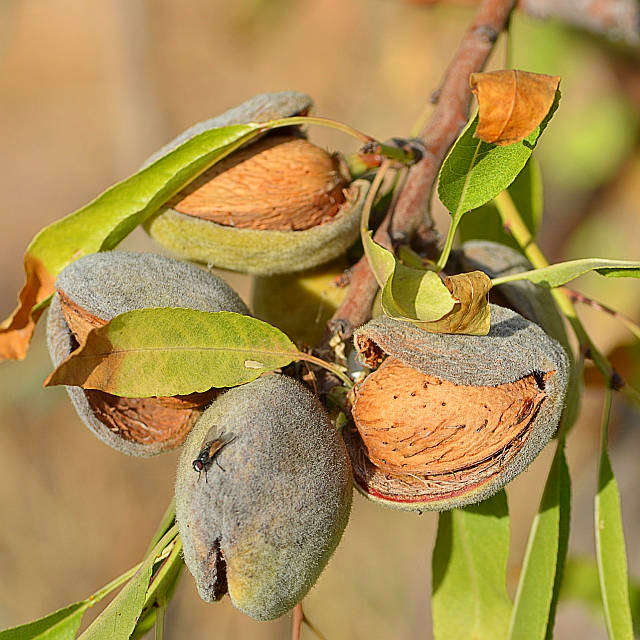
(209, 451)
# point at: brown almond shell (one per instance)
(447, 420)
(96, 288)
(279, 205)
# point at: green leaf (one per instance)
(416, 295)
(167, 521)
(536, 597)
(61, 625)
(475, 172)
(469, 595)
(119, 619)
(580, 582)
(470, 314)
(610, 544)
(163, 583)
(381, 260)
(167, 352)
(526, 192)
(105, 221)
(556, 275)
(407, 293)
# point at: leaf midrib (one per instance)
(252, 350)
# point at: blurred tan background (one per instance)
(89, 89)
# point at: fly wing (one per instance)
(218, 442)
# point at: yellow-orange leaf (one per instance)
(16, 331)
(511, 103)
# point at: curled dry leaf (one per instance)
(511, 103)
(17, 329)
(470, 314)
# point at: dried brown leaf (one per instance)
(511, 103)
(470, 314)
(17, 329)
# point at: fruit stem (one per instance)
(160, 621)
(333, 368)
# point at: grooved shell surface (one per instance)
(260, 252)
(513, 349)
(110, 283)
(273, 504)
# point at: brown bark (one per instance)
(441, 131)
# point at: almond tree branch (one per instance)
(617, 20)
(441, 131)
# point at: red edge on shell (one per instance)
(446, 496)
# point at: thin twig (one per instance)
(296, 622)
(441, 131)
(576, 296)
(617, 20)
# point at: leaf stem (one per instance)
(576, 296)
(514, 223)
(366, 215)
(448, 243)
(160, 621)
(388, 151)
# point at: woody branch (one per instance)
(450, 114)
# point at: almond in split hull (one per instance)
(411, 422)
(281, 182)
(98, 287)
(447, 420)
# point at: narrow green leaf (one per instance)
(64, 623)
(167, 521)
(469, 595)
(167, 352)
(163, 583)
(61, 625)
(381, 260)
(536, 597)
(556, 275)
(526, 193)
(165, 576)
(610, 545)
(475, 172)
(119, 619)
(581, 583)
